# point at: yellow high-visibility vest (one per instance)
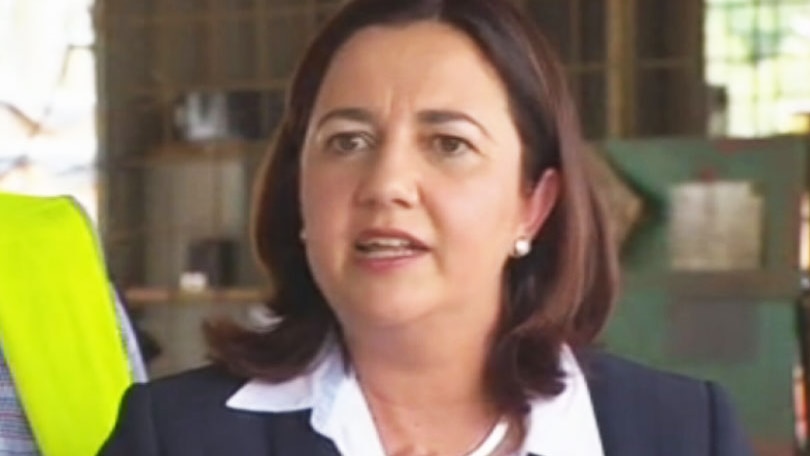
(58, 327)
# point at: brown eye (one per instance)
(451, 146)
(345, 143)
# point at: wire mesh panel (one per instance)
(757, 64)
(619, 52)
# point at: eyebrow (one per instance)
(432, 116)
(445, 116)
(355, 114)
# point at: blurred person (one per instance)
(67, 350)
(441, 263)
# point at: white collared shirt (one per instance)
(563, 425)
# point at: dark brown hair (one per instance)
(562, 292)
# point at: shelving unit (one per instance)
(160, 192)
(144, 297)
(180, 153)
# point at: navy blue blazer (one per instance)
(639, 411)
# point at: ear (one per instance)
(540, 202)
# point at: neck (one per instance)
(440, 359)
(419, 377)
(421, 369)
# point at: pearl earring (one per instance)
(303, 236)
(521, 248)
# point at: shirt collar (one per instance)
(561, 425)
(564, 424)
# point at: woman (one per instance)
(441, 264)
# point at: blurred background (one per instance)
(154, 114)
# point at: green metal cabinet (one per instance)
(736, 328)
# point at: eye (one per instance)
(451, 146)
(346, 143)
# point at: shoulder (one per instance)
(601, 367)
(182, 414)
(612, 378)
(182, 397)
(638, 405)
(186, 414)
(202, 387)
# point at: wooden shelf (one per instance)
(139, 297)
(185, 152)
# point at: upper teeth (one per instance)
(385, 242)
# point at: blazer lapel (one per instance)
(264, 434)
(613, 397)
(236, 432)
(608, 419)
(292, 434)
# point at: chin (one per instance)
(388, 311)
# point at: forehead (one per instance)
(423, 64)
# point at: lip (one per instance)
(387, 265)
(394, 233)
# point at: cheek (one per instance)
(316, 199)
(324, 210)
(479, 218)
(324, 202)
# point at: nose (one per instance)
(390, 178)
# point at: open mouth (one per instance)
(381, 247)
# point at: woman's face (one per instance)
(411, 185)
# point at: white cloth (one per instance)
(564, 425)
(136, 365)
